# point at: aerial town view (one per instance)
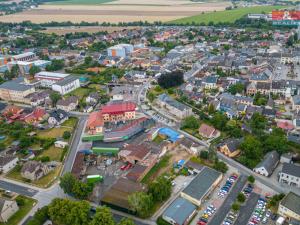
(135, 112)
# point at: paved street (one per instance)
(224, 209)
(247, 210)
(30, 192)
(75, 143)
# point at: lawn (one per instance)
(71, 122)
(53, 153)
(44, 182)
(161, 164)
(193, 132)
(53, 132)
(225, 16)
(80, 92)
(79, 2)
(22, 212)
(158, 139)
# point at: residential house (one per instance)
(289, 207)
(95, 123)
(208, 131)
(230, 147)
(174, 107)
(57, 117)
(290, 175)
(7, 163)
(179, 212)
(7, 209)
(295, 100)
(12, 111)
(268, 164)
(210, 82)
(60, 144)
(34, 170)
(93, 98)
(36, 116)
(68, 104)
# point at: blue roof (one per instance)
(172, 135)
(180, 210)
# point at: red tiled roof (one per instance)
(118, 108)
(95, 119)
(206, 130)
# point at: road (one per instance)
(226, 206)
(74, 146)
(247, 210)
(30, 192)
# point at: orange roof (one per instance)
(95, 119)
(118, 108)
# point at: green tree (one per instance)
(219, 121)
(170, 79)
(190, 122)
(103, 216)
(67, 212)
(220, 166)
(67, 182)
(126, 221)
(141, 203)
(241, 198)
(33, 70)
(236, 88)
(251, 151)
(54, 98)
(204, 154)
(277, 140)
(235, 207)
(160, 189)
(81, 190)
(258, 122)
(251, 179)
(66, 135)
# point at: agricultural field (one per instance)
(225, 16)
(115, 11)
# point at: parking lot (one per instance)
(226, 206)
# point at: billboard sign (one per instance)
(286, 17)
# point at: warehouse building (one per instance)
(48, 78)
(180, 212)
(202, 185)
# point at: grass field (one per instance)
(22, 212)
(225, 16)
(79, 2)
(53, 153)
(53, 133)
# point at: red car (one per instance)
(126, 166)
(201, 223)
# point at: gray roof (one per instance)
(6, 159)
(15, 85)
(67, 80)
(291, 169)
(269, 162)
(180, 210)
(291, 201)
(201, 184)
(168, 100)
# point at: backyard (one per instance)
(24, 208)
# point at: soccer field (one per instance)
(225, 16)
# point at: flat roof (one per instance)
(67, 80)
(25, 54)
(51, 74)
(179, 210)
(16, 85)
(201, 184)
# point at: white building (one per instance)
(49, 78)
(66, 85)
(121, 50)
(290, 175)
(27, 56)
(7, 163)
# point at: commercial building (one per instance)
(118, 112)
(174, 107)
(121, 50)
(16, 91)
(179, 212)
(201, 185)
(24, 57)
(289, 206)
(66, 85)
(47, 79)
(290, 175)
